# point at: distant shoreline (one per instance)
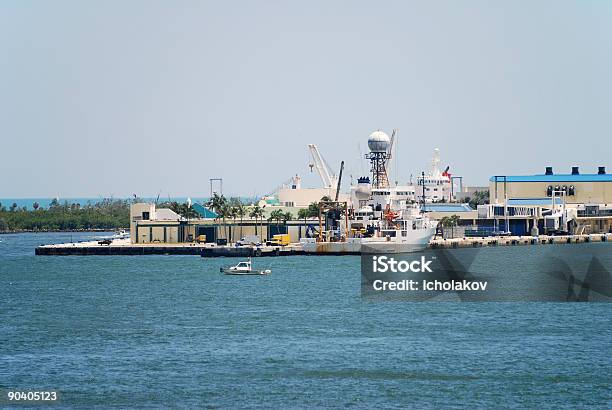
(59, 231)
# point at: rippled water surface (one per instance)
(172, 331)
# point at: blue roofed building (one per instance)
(575, 187)
(583, 202)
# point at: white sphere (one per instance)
(378, 141)
(363, 192)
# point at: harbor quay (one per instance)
(435, 210)
(124, 247)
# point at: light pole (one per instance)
(423, 183)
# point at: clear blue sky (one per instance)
(122, 97)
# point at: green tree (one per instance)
(35, 205)
(241, 212)
(276, 215)
(479, 198)
(303, 213)
(107, 214)
(233, 214)
(185, 210)
(313, 209)
(448, 222)
(257, 213)
(216, 203)
(175, 207)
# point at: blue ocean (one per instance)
(171, 331)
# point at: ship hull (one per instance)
(415, 241)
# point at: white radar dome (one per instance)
(363, 192)
(378, 141)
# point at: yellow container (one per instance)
(280, 240)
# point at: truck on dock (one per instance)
(279, 240)
(249, 240)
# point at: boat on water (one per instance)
(373, 231)
(244, 268)
(387, 219)
(122, 234)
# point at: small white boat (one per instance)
(122, 234)
(244, 268)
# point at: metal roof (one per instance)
(554, 178)
(532, 201)
(204, 212)
(441, 207)
(165, 214)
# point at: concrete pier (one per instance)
(518, 240)
(124, 247)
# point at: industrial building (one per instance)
(574, 187)
(572, 202)
(149, 224)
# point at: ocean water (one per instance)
(151, 331)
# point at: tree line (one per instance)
(106, 214)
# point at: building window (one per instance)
(145, 215)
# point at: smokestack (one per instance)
(549, 171)
(575, 171)
(602, 171)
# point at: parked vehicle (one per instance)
(249, 240)
(279, 240)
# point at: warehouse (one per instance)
(575, 188)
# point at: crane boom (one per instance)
(339, 181)
(390, 149)
(390, 152)
(328, 178)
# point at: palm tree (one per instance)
(241, 211)
(35, 205)
(313, 209)
(218, 203)
(224, 212)
(303, 213)
(234, 205)
(276, 215)
(256, 213)
(187, 211)
(175, 207)
(448, 222)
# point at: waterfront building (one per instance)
(572, 202)
(574, 187)
(149, 224)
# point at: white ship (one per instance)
(369, 234)
(387, 219)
